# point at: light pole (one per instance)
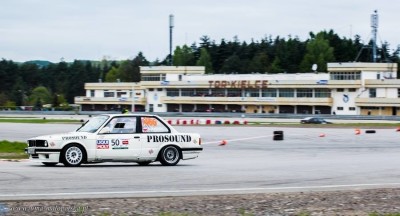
(171, 26)
(22, 97)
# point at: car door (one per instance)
(118, 140)
(153, 134)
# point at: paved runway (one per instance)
(251, 162)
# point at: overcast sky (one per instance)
(119, 29)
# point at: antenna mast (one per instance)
(374, 25)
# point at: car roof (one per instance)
(129, 114)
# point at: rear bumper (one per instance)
(190, 153)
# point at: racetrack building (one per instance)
(347, 89)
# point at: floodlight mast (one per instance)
(171, 26)
(374, 25)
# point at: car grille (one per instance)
(37, 143)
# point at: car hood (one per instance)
(64, 136)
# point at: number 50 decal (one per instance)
(115, 142)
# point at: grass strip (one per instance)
(12, 150)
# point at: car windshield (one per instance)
(93, 124)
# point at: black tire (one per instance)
(49, 164)
(73, 155)
(170, 155)
(145, 163)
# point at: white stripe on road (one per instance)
(227, 190)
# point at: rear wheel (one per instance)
(170, 156)
(49, 164)
(73, 155)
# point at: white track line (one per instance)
(233, 140)
(261, 189)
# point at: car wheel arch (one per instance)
(85, 156)
(166, 145)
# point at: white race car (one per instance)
(117, 138)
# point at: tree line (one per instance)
(35, 84)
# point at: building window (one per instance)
(108, 94)
(91, 93)
(187, 92)
(201, 92)
(340, 108)
(304, 93)
(268, 93)
(352, 108)
(370, 108)
(286, 92)
(340, 90)
(322, 93)
(159, 89)
(218, 92)
(159, 105)
(122, 94)
(372, 92)
(352, 90)
(253, 93)
(234, 92)
(345, 75)
(153, 77)
(172, 92)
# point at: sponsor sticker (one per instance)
(116, 144)
(169, 138)
(150, 122)
(103, 144)
(125, 142)
(74, 137)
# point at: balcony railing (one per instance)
(377, 101)
(247, 100)
(109, 100)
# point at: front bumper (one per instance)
(43, 155)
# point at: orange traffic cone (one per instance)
(322, 135)
(358, 132)
(223, 142)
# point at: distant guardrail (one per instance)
(212, 114)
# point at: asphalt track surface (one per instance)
(250, 162)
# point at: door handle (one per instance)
(136, 137)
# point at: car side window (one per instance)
(122, 125)
(153, 125)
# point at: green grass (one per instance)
(12, 150)
(387, 214)
(39, 121)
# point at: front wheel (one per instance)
(170, 156)
(73, 155)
